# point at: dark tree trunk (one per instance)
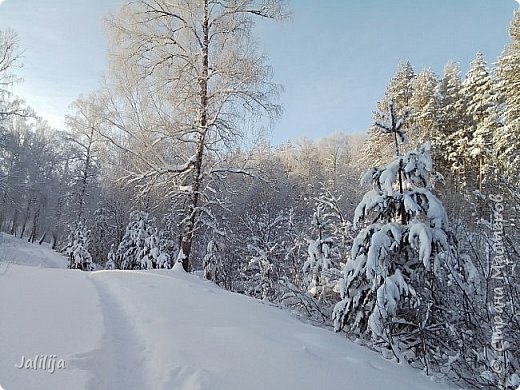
(192, 212)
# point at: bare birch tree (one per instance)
(81, 131)
(191, 78)
(9, 59)
(9, 56)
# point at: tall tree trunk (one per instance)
(42, 238)
(193, 203)
(26, 217)
(36, 224)
(85, 175)
(14, 223)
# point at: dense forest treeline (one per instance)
(164, 165)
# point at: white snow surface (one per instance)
(16, 251)
(166, 330)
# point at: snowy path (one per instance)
(119, 361)
(169, 331)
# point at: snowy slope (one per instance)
(18, 251)
(170, 330)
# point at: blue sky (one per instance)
(334, 58)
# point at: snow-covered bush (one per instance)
(485, 299)
(262, 247)
(318, 262)
(261, 269)
(327, 248)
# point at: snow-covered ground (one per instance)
(16, 251)
(165, 330)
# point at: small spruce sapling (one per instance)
(76, 248)
(141, 246)
(212, 263)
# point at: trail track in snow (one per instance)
(120, 361)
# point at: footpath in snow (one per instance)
(166, 330)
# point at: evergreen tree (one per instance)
(451, 118)
(400, 90)
(212, 263)
(478, 90)
(471, 142)
(318, 261)
(266, 249)
(77, 247)
(424, 108)
(391, 283)
(111, 259)
(140, 247)
(506, 140)
(102, 237)
(261, 271)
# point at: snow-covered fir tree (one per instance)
(77, 247)
(424, 108)
(482, 113)
(318, 260)
(470, 142)
(102, 236)
(265, 250)
(212, 263)
(451, 117)
(141, 246)
(111, 259)
(389, 284)
(506, 140)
